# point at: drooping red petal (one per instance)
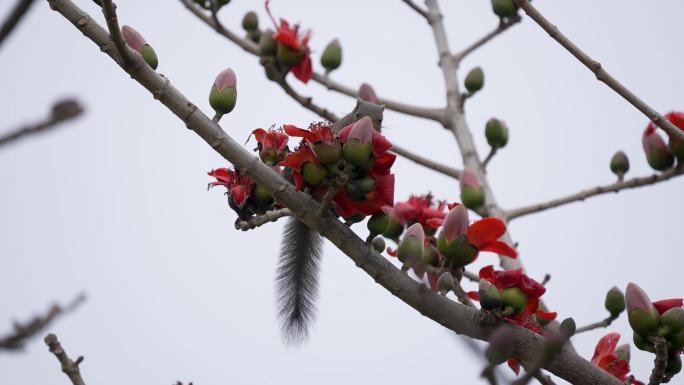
(384, 188)
(223, 175)
(303, 70)
(514, 365)
(298, 132)
(546, 315)
(384, 163)
(487, 273)
(666, 304)
(295, 160)
(380, 144)
(240, 194)
(501, 248)
(343, 206)
(434, 222)
(532, 288)
(606, 345)
(485, 231)
(259, 134)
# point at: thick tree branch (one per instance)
(456, 317)
(61, 111)
(69, 367)
(15, 16)
(259, 220)
(598, 190)
(416, 8)
(249, 46)
(601, 74)
(503, 26)
(23, 332)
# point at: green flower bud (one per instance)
(642, 344)
(367, 184)
(472, 197)
(394, 229)
(643, 322)
(474, 81)
(411, 246)
(267, 46)
(567, 327)
(357, 149)
(288, 56)
(677, 148)
(328, 153)
(677, 340)
(490, 297)
(313, 173)
(250, 22)
(332, 56)
(619, 164)
(254, 35)
(377, 224)
(459, 251)
(673, 320)
(504, 8)
(674, 365)
(378, 244)
(496, 133)
(149, 56)
(445, 283)
(515, 298)
(223, 94)
(615, 302)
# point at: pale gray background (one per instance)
(116, 203)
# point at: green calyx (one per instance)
(149, 56)
(490, 298)
(643, 322)
(660, 159)
(458, 251)
(615, 302)
(472, 197)
(262, 195)
(288, 56)
(515, 298)
(328, 153)
(267, 46)
(504, 8)
(496, 133)
(356, 153)
(223, 101)
(642, 343)
(410, 251)
(474, 81)
(313, 173)
(331, 59)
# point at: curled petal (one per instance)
(487, 273)
(303, 70)
(392, 252)
(485, 231)
(606, 345)
(546, 315)
(299, 132)
(501, 248)
(666, 304)
(473, 295)
(532, 288)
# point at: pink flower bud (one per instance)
(636, 298)
(469, 178)
(225, 79)
(362, 130)
(416, 230)
(455, 223)
(133, 38)
(367, 94)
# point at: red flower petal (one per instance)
(384, 163)
(303, 70)
(298, 132)
(392, 252)
(666, 304)
(606, 345)
(500, 248)
(380, 144)
(548, 316)
(514, 365)
(384, 188)
(508, 278)
(487, 273)
(475, 296)
(531, 287)
(485, 231)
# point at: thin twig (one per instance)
(435, 114)
(61, 111)
(546, 279)
(18, 12)
(327, 200)
(69, 367)
(601, 74)
(418, 159)
(461, 294)
(109, 11)
(416, 8)
(456, 317)
(471, 276)
(601, 324)
(23, 332)
(660, 361)
(489, 157)
(599, 190)
(217, 117)
(259, 220)
(503, 26)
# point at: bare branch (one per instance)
(440, 168)
(18, 12)
(69, 367)
(62, 111)
(503, 26)
(258, 220)
(599, 190)
(249, 46)
(23, 332)
(458, 318)
(416, 8)
(601, 74)
(601, 324)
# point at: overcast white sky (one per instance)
(116, 203)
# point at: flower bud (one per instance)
(472, 194)
(262, 195)
(254, 35)
(642, 344)
(328, 153)
(367, 184)
(615, 302)
(490, 297)
(504, 8)
(354, 191)
(459, 251)
(619, 164)
(445, 283)
(567, 327)
(288, 56)
(377, 223)
(378, 244)
(66, 109)
(332, 56)
(622, 352)
(643, 317)
(136, 41)
(677, 340)
(367, 94)
(267, 46)
(223, 94)
(411, 246)
(474, 81)
(313, 173)
(515, 298)
(657, 153)
(673, 320)
(357, 149)
(496, 133)
(674, 365)
(250, 22)
(501, 345)
(676, 145)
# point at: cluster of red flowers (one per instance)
(613, 359)
(354, 162)
(293, 47)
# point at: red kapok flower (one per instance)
(421, 209)
(239, 186)
(272, 145)
(657, 153)
(296, 161)
(612, 359)
(297, 43)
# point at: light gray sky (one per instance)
(116, 203)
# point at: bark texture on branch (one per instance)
(456, 317)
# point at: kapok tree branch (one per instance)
(660, 361)
(601, 324)
(440, 168)
(15, 16)
(249, 46)
(601, 74)
(258, 220)
(598, 190)
(416, 8)
(502, 27)
(456, 317)
(23, 332)
(62, 111)
(109, 11)
(69, 367)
